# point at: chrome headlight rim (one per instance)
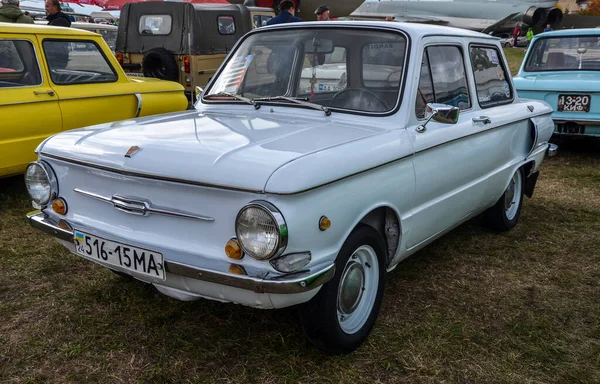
(49, 172)
(277, 217)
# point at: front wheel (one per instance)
(339, 318)
(505, 213)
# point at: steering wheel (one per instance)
(359, 99)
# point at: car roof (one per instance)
(571, 32)
(37, 29)
(415, 30)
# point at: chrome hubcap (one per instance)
(357, 289)
(352, 287)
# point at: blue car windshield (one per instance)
(565, 53)
(340, 69)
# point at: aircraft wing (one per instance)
(499, 24)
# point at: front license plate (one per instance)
(574, 103)
(143, 261)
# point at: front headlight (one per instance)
(261, 230)
(41, 183)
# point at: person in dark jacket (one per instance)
(55, 15)
(286, 14)
(11, 13)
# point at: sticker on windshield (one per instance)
(494, 57)
(237, 68)
(506, 89)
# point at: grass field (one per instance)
(474, 307)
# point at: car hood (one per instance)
(575, 81)
(223, 150)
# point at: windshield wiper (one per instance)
(296, 100)
(237, 97)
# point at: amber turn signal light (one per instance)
(120, 58)
(237, 269)
(233, 249)
(324, 223)
(59, 206)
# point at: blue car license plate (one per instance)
(574, 103)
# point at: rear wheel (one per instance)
(339, 318)
(505, 213)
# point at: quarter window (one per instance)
(18, 64)
(443, 79)
(155, 24)
(491, 78)
(226, 25)
(77, 62)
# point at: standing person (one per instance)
(322, 13)
(516, 34)
(529, 35)
(55, 15)
(287, 10)
(548, 28)
(11, 13)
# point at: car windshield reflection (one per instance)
(345, 69)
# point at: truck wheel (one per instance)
(505, 213)
(339, 318)
(159, 63)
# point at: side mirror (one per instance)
(442, 113)
(197, 92)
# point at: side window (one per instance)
(226, 25)
(323, 72)
(77, 62)
(443, 79)
(491, 78)
(155, 24)
(18, 64)
(382, 64)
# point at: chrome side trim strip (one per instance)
(262, 282)
(139, 104)
(135, 206)
(118, 94)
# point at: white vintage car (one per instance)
(272, 194)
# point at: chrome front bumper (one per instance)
(255, 281)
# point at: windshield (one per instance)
(565, 54)
(341, 68)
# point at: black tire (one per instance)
(496, 216)
(160, 63)
(319, 317)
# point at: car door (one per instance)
(89, 88)
(447, 156)
(28, 105)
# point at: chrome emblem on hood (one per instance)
(132, 151)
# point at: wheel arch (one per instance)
(386, 221)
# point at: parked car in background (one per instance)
(107, 31)
(53, 79)
(272, 194)
(182, 42)
(506, 40)
(563, 69)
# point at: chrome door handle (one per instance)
(482, 119)
(49, 93)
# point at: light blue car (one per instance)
(563, 69)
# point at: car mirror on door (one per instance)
(442, 113)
